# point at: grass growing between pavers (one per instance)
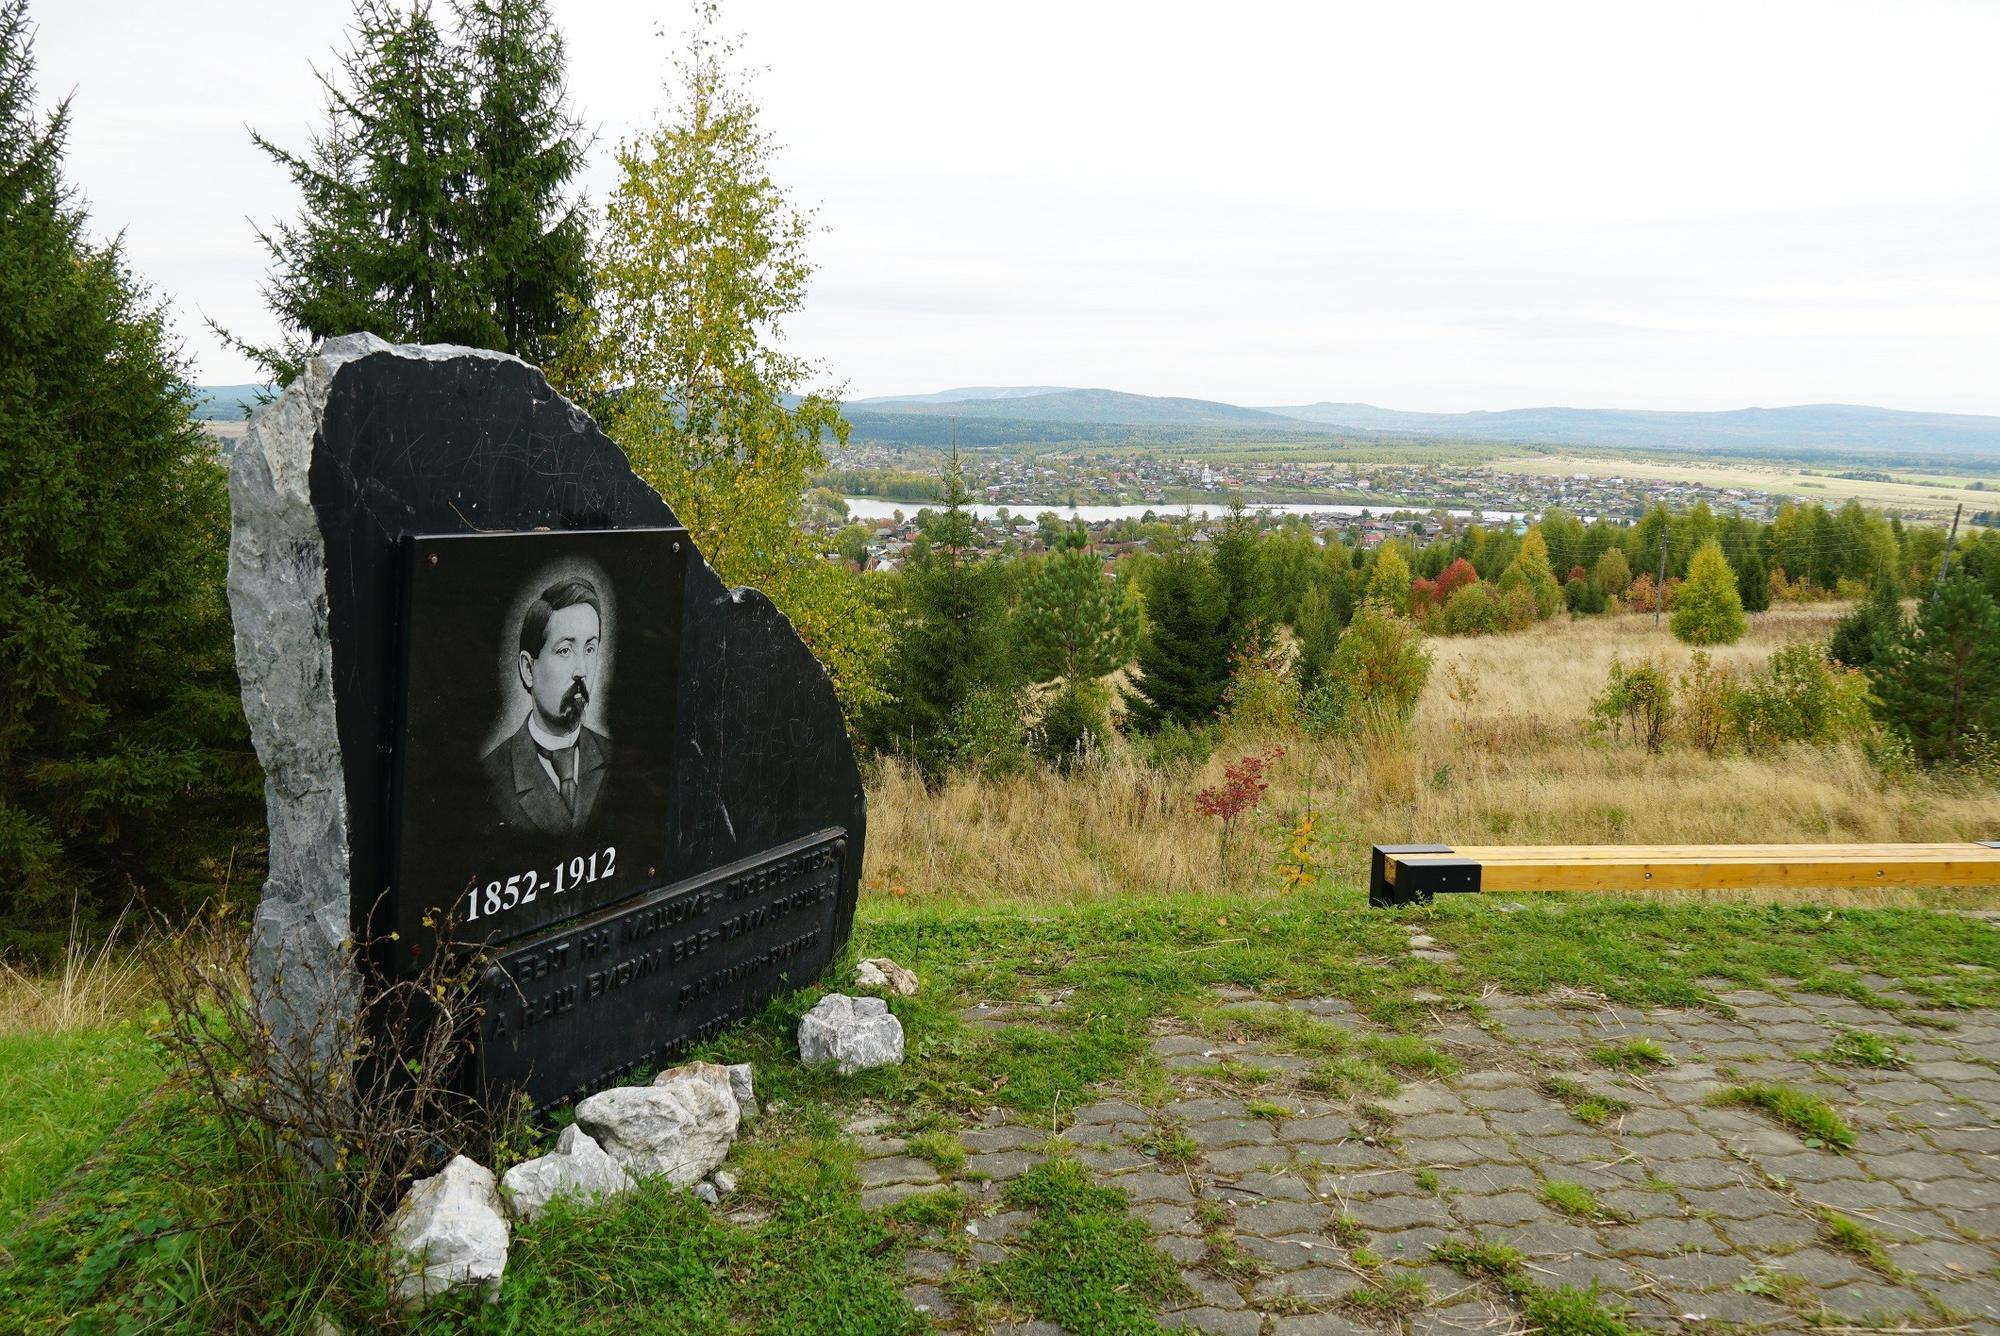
(1562, 1310)
(1577, 1202)
(1083, 1263)
(135, 1246)
(1637, 1054)
(1815, 1120)
(1860, 1048)
(1585, 1105)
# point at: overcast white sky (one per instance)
(1421, 205)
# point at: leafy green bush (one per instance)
(1177, 748)
(1261, 700)
(1383, 661)
(1867, 631)
(1471, 611)
(1638, 700)
(1073, 724)
(987, 735)
(1799, 697)
(1708, 703)
(1327, 710)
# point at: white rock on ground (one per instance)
(881, 972)
(854, 1033)
(678, 1128)
(578, 1167)
(450, 1234)
(744, 1087)
(725, 1182)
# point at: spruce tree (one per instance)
(1073, 623)
(1939, 681)
(1245, 580)
(1184, 656)
(1865, 634)
(1708, 611)
(527, 236)
(124, 763)
(432, 206)
(1319, 636)
(949, 644)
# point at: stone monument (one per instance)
(499, 695)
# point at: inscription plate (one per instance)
(575, 1009)
(535, 761)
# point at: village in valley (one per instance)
(873, 520)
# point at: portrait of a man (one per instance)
(546, 777)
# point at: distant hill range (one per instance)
(1000, 415)
(1038, 413)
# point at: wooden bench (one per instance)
(1408, 874)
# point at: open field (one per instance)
(1929, 495)
(1514, 764)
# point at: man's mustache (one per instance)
(574, 700)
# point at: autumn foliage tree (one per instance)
(1707, 609)
(701, 258)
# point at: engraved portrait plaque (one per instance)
(535, 756)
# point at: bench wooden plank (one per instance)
(1425, 869)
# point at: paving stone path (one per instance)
(1706, 1218)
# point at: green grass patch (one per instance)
(1397, 1294)
(1346, 1231)
(1169, 1145)
(1584, 1104)
(147, 1239)
(1083, 1263)
(1264, 1108)
(1851, 1236)
(1426, 1180)
(1637, 1054)
(1568, 1311)
(1346, 1076)
(60, 1096)
(1478, 1260)
(1860, 1048)
(1576, 1201)
(939, 1209)
(940, 1149)
(1815, 1120)
(1222, 1256)
(1562, 1311)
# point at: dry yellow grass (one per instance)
(1918, 493)
(1515, 763)
(95, 983)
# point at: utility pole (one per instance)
(1949, 539)
(1660, 589)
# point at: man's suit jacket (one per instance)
(526, 801)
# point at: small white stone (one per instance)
(578, 1167)
(853, 1033)
(678, 1128)
(881, 972)
(705, 1190)
(724, 1180)
(450, 1234)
